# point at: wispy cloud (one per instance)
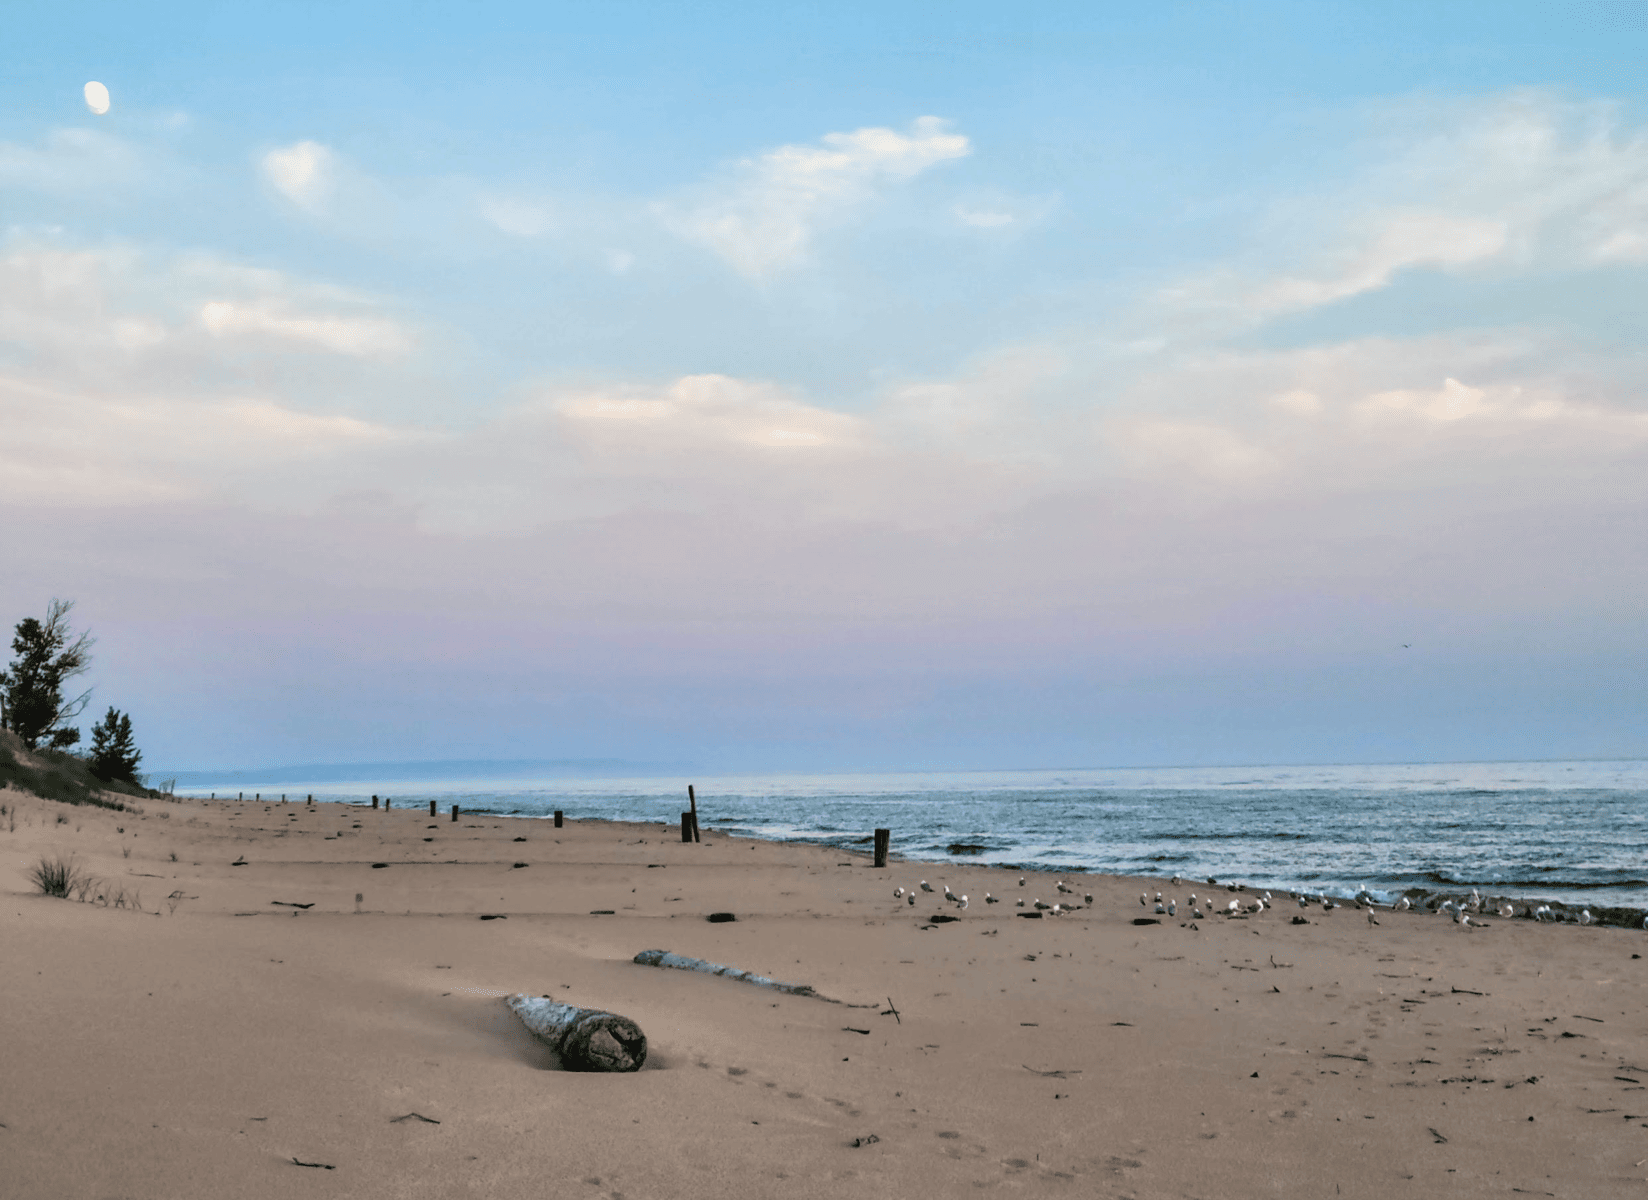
(373, 337)
(304, 172)
(764, 216)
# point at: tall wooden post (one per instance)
(693, 796)
(558, 818)
(454, 812)
(882, 837)
(431, 808)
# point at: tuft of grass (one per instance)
(56, 877)
(61, 819)
(125, 852)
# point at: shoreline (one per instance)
(193, 1050)
(1489, 896)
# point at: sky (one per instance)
(834, 387)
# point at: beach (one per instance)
(220, 1040)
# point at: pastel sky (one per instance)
(849, 386)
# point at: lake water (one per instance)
(1570, 831)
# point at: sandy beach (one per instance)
(216, 1039)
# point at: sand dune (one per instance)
(210, 1043)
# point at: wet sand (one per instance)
(200, 1045)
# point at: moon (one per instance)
(97, 97)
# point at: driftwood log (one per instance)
(585, 1038)
(663, 958)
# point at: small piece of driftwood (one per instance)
(663, 958)
(585, 1038)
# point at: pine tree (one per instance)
(32, 690)
(114, 754)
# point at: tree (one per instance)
(114, 754)
(32, 689)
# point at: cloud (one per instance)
(1516, 182)
(303, 172)
(519, 218)
(764, 217)
(984, 220)
(370, 337)
(71, 161)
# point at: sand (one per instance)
(200, 1045)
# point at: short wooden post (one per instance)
(240, 796)
(431, 808)
(559, 818)
(454, 812)
(882, 837)
(311, 798)
(693, 796)
(386, 804)
(374, 801)
(256, 797)
(283, 797)
(358, 899)
(686, 827)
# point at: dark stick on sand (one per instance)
(693, 797)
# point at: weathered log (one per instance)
(663, 958)
(585, 1038)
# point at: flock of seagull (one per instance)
(1461, 912)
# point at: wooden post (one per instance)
(558, 818)
(882, 837)
(693, 796)
(257, 797)
(454, 812)
(386, 804)
(358, 899)
(686, 827)
(374, 801)
(431, 808)
(241, 796)
(283, 797)
(585, 1038)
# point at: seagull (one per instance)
(1232, 907)
(1021, 880)
(1585, 917)
(1175, 881)
(911, 898)
(1172, 908)
(989, 899)
(1197, 914)
(925, 886)
(1327, 905)
(1088, 897)
(1019, 903)
(962, 903)
(898, 893)
(1506, 911)
(1057, 909)
(1158, 897)
(1066, 888)
(1303, 903)
(1041, 906)
(949, 895)
(1403, 905)
(1161, 909)
(1142, 899)
(1371, 920)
